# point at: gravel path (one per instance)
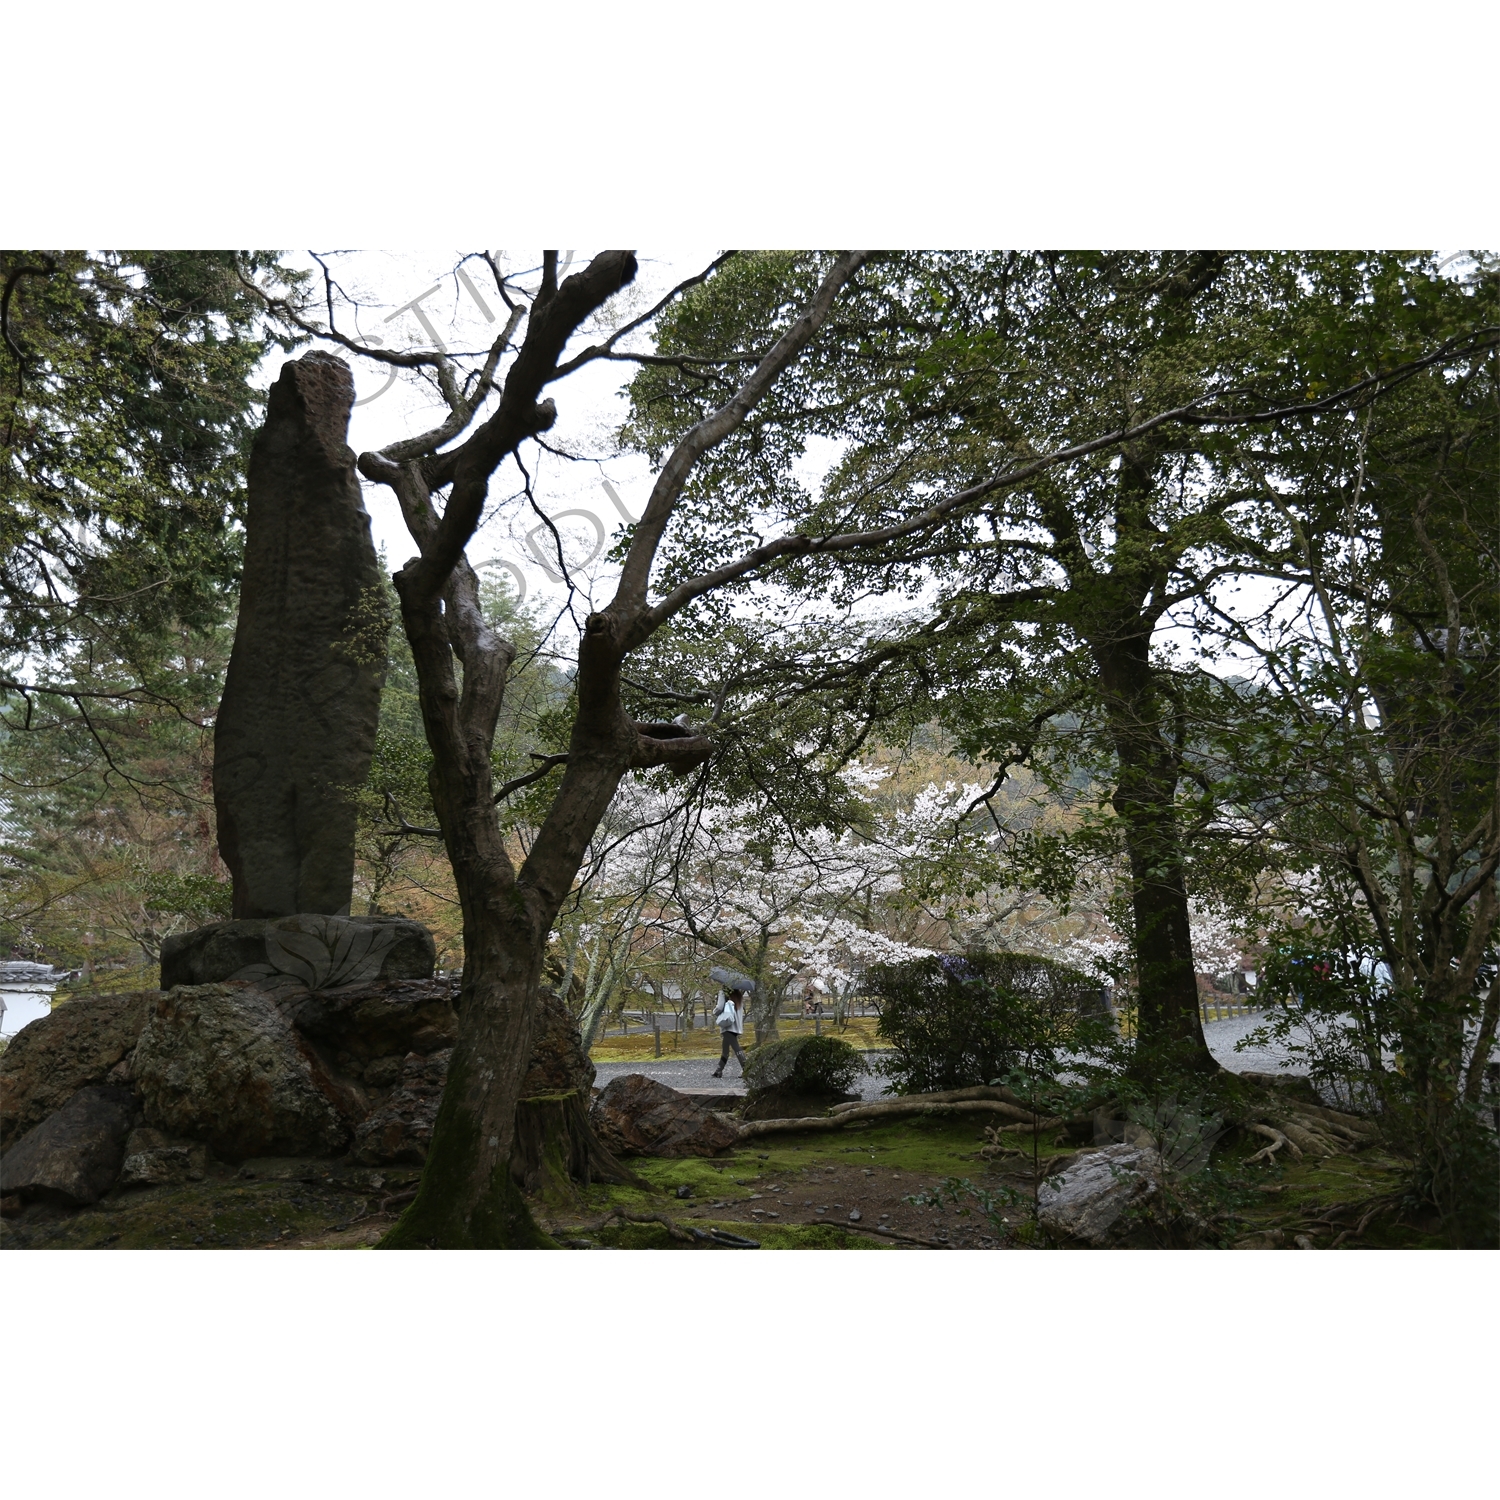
(1222, 1035)
(697, 1072)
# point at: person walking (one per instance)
(731, 1019)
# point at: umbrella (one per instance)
(732, 979)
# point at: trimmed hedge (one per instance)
(958, 1021)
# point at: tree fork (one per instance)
(468, 1197)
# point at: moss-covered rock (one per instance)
(84, 1042)
(220, 1063)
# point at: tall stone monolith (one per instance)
(296, 727)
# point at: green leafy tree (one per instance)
(1060, 454)
(127, 400)
(1363, 769)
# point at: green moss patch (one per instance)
(301, 1205)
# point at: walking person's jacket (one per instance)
(731, 1017)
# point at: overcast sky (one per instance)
(591, 404)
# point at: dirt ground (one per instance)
(791, 1192)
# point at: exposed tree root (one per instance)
(1311, 1142)
(895, 1234)
(672, 1227)
(1348, 1125)
(997, 1149)
(1309, 1129)
(895, 1109)
(1277, 1140)
(1034, 1126)
(1387, 1201)
(698, 1238)
(393, 1200)
(943, 1096)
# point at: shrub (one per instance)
(805, 1065)
(955, 1022)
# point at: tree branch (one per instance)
(549, 763)
(800, 544)
(712, 430)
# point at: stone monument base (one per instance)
(310, 951)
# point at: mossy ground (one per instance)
(1320, 1199)
(877, 1168)
(281, 1204)
(872, 1168)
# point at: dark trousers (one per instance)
(731, 1039)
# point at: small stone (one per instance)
(152, 1159)
(684, 1191)
(822, 1208)
(854, 1216)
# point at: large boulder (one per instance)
(399, 1128)
(309, 952)
(83, 1041)
(558, 1063)
(1087, 1201)
(636, 1116)
(800, 1076)
(381, 1019)
(220, 1063)
(73, 1157)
